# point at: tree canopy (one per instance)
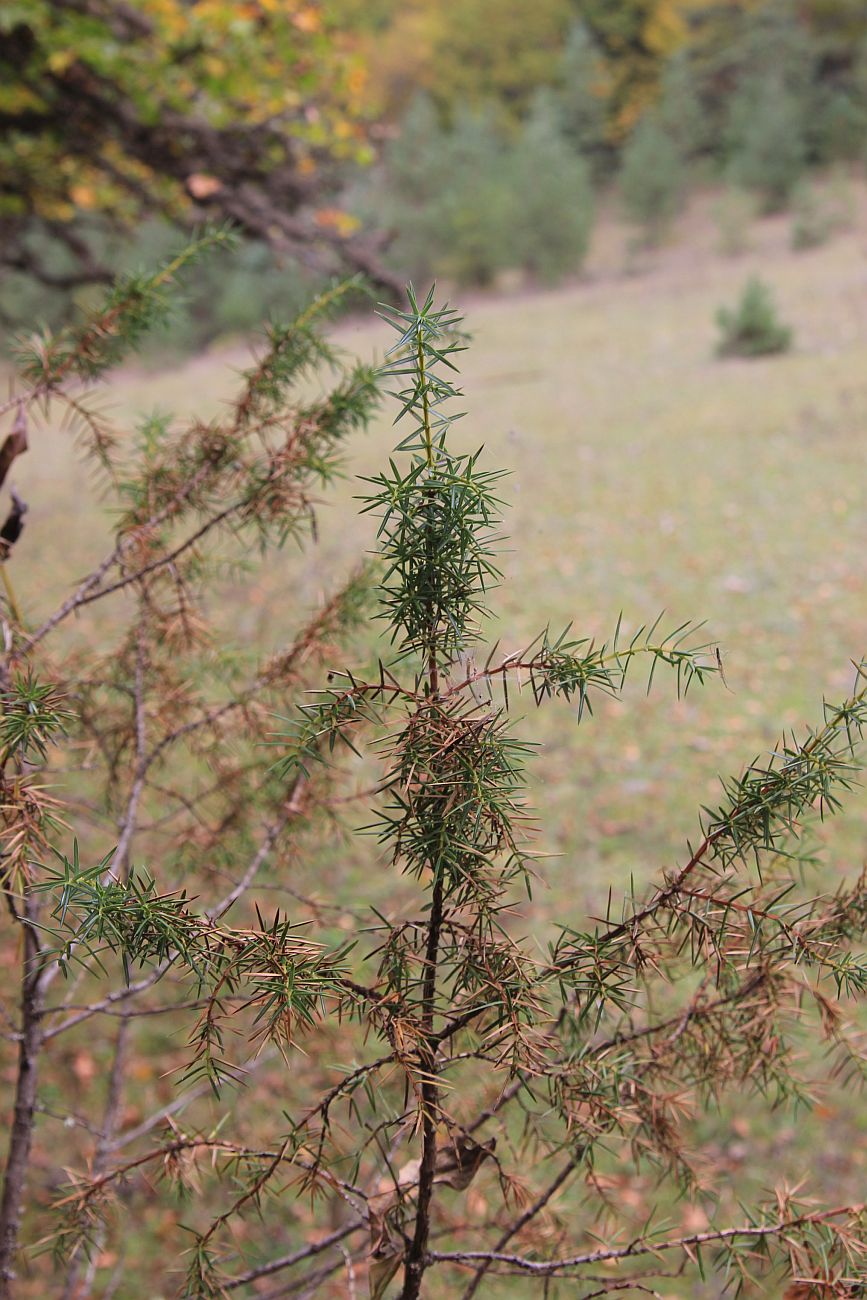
(203, 109)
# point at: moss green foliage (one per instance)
(551, 202)
(471, 199)
(651, 180)
(767, 140)
(752, 328)
(682, 113)
(580, 98)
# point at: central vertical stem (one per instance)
(415, 1259)
(425, 403)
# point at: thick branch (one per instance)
(21, 1135)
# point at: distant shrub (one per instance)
(651, 179)
(841, 197)
(734, 213)
(752, 328)
(820, 212)
(812, 218)
(838, 126)
(550, 211)
(768, 147)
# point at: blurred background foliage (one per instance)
(396, 139)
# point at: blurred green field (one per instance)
(647, 476)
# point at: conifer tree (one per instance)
(551, 201)
(767, 140)
(682, 113)
(651, 179)
(752, 328)
(580, 97)
(444, 191)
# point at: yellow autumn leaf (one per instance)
(60, 60)
(357, 79)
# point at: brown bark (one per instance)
(415, 1259)
(21, 1135)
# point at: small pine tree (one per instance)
(468, 202)
(752, 328)
(444, 192)
(651, 179)
(838, 126)
(682, 114)
(580, 98)
(417, 157)
(473, 205)
(551, 215)
(768, 151)
(820, 212)
(773, 44)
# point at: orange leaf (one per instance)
(203, 186)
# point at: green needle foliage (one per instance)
(473, 200)
(752, 328)
(767, 144)
(651, 180)
(286, 979)
(133, 307)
